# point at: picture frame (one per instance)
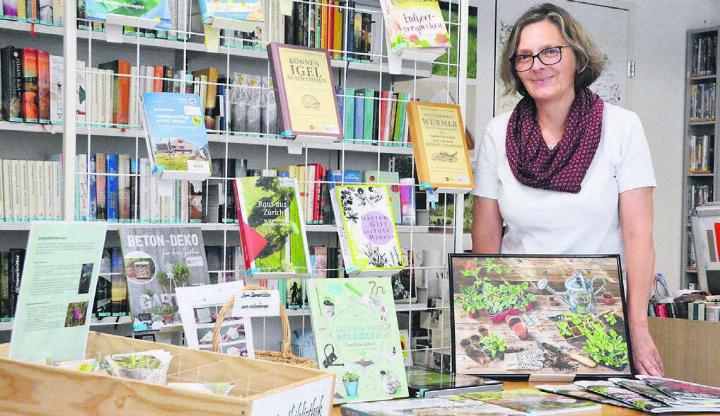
(539, 317)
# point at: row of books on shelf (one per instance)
(30, 190)
(333, 25)
(698, 195)
(702, 102)
(119, 188)
(701, 153)
(704, 55)
(697, 306)
(225, 264)
(109, 95)
(44, 12)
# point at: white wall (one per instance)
(657, 96)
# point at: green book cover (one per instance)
(349, 110)
(366, 229)
(400, 117)
(357, 337)
(272, 233)
(368, 116)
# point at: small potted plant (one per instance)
(328, 306)
(608, 298)
(517, 326)
(351, 381)
(469, 301)
(492, 345)
(167, 312)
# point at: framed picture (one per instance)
(519, 316)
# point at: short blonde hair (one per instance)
(590, 60)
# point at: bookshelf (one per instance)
(262, 151)
(701, 163)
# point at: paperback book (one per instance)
(683, 391)
(578, 392)
(176, 136)
(629, 397)
(247, 14)
(357, 338)
(534, 402)
(366, 229)
(157, 260)
(428, 383)
(415, 29)
(437, 406)
(272, 232)
(156, 10)
(439, 146)
(304, 91)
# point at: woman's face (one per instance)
(546, 83)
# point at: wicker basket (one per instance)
(284, 356)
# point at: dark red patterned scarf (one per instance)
(562, 168)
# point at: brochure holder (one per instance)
(213, 28)
(395, 58)
(260, 387)
(114, 25)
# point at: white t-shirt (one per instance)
(549, 222)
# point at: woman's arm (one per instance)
(636, 223)
(487, 226)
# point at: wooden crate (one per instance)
(688, 349)
(261, 387)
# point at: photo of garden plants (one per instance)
(518, 315)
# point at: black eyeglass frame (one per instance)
(537, 55)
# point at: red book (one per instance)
(44, 87)
(30, 85)
(383, 115)
(157, 78)
(121, 89)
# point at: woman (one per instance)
(565, 172)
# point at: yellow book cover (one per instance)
(438, 138)
(305, 91)
(324, 25)
(22, 10)
(338, 25)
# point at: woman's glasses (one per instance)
(548, 56)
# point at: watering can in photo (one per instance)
(579, 292)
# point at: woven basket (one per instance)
(284, 356)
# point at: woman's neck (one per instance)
(552, 116)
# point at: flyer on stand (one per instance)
(58, 287)
(199, 309)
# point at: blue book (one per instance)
(333, 177)
(113, 189)
(176, 135)
(92, 186)
(353, 176)
(359, 129)
(134, 207)
(341, 105)
(348, 103)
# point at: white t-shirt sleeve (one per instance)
(635, 169)
(487, 183)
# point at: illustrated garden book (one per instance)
(272, 232)
(304, 91)
(357, 337)
(247, 14)
(441, 154)
(539, 316)
(366, 227)
(158, 259)
(155, 10)
(534, 402)
(176, 136)
(415, 29)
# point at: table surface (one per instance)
(606, 410)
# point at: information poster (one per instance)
(57, 291)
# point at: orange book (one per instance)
(30, 85)
(157, 78)
(337, 32)
(43, 87)
(324, 27)
(121, 89)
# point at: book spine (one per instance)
(32, 11)
(4, 288)
(10, 9)
(82, 95)
(124, 188)
(2, 192)
(57, 68)
(7, 190)
(43, 210)
(28, 171)
(337, 32)
(43, 63)
(92, 186)
(144, 190)
(48, 191)
(17, 259)
(133, 197)
(30, 85)
(368, 114)
(349, 117)
(101, 183)
(22, 10)
(23, 190)
(359, 127)
(12, 84)
(113, 188)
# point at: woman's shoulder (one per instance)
(618, 116)
(498, 124)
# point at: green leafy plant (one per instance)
(492, 345)
(497, 299)
(469, 299)
(605, 347)
(181, 274)
(163, 279)
(610, 319)
(564, 328)
(350, 377)
(164, 309)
